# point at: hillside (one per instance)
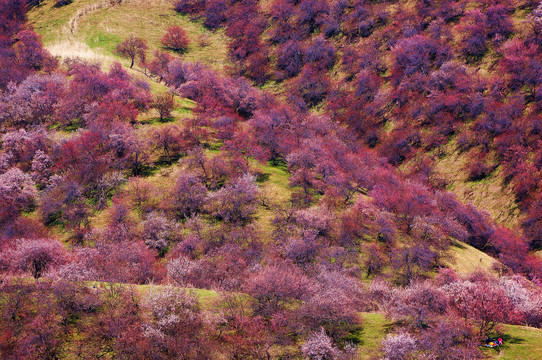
(281, 179)
(92, 30)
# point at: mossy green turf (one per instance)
(375, 326)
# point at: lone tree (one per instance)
(36, 255)
(131, 48)
(175, 39)
(164, 104)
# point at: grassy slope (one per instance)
(521, 343)
(99, 28)
(374, 330)
(465, 259)
(276, 191)
(487, 194)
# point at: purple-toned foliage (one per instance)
(188, 195)
(399, 346)
(175, 39)
(133, 48)
(417, 305)
(116, 262)
(312, 86)
(275, 287)
(215, 13)
(474, 35)
(319, 347)
(36, 256)
(175, 323)
(159, 232)
(308, 14)
(159, 65)
(236, 202)
(333, 306)
(41, 167)
(190, 6)
(418, 54)
(164, 104)
(29, 51)
(532, 224)
(289, 59)
(498, 21)
(320, 53)
(20, 146)
(17, 194)
(484, 302)
(358, 22)
(33, 101)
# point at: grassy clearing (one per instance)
(520, 343)
(276, 192)
(105, 28)
(207, 298)
(375, 327)
(92, 29)
(465, 259)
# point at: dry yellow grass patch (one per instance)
(465, 259)
(77, 49)
(488, 194)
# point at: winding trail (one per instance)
(73, 23)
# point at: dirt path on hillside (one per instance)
(73, 23)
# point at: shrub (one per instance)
(290, 59)
(400, 346)
(237, 201)
(60, 3)
(312, 86)
(17, 193)
(175, 39)
(215, 14)
(190, 6)
(319, 347)
(188, 195)
(321, 54)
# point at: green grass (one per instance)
(520, 343)
(276, 191)
(103, 40)
(374, 330)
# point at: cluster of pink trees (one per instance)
(466, 310)
(429, 80)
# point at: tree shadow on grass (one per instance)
(510, 339)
